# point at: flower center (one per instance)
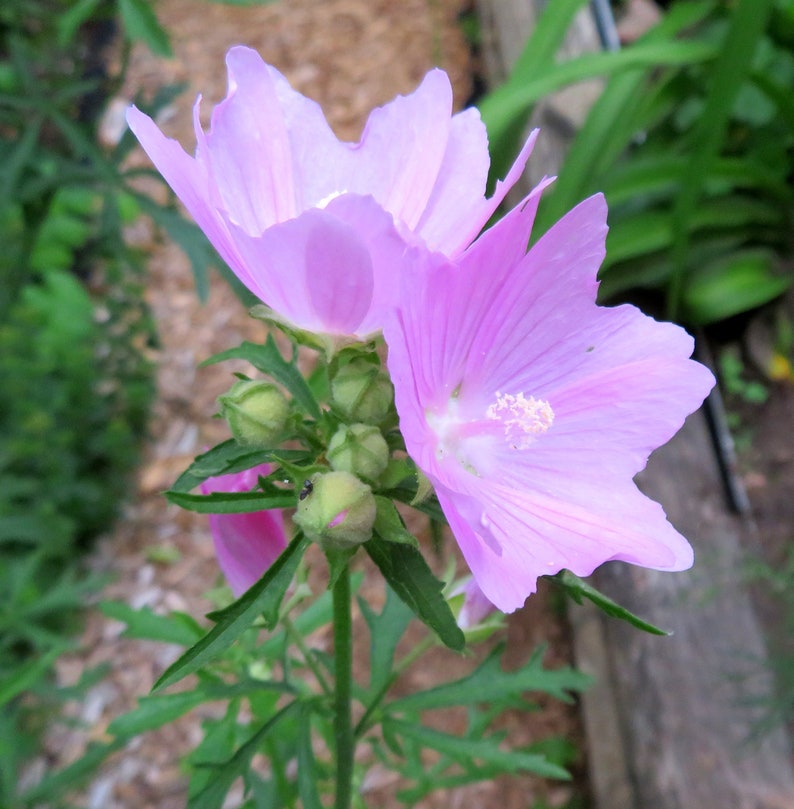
(523, 419)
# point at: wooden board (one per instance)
(670, 723)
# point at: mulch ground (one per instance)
(349, 55)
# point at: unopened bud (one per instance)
(337, 511)
(359, 449)
(362, 392)
(256, 412)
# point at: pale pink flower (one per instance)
(475, 608)
(530, 408)
(246, 545)
(315, 227)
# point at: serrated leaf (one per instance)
(224, 775)
(389, 524)
(385, 631)
(307, 770)
(156, 710)
(263, 598)
(487, 750)
(408, 574)
(489, 683)
(267, 359)
(145, 624)
(578, 589)
(141, 23)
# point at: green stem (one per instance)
(343, 669)
(297, 639)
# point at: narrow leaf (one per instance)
(263, 598)
(232, 502)
(578, 589)
(141, 23)
(144, 623)
(408, 574)
(389, 525)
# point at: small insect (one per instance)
(308, 488)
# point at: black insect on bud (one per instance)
(308, 486)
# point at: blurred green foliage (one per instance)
(75, 381)
(691, 140)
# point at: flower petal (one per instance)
(246, 545)
(329, 270)
(458, 210)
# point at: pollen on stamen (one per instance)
(524, 418)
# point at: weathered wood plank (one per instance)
(669, 723)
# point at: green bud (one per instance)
(256, 412)
(359, 449)
(362, 392)
(337, 511)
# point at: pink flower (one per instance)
(476, 607)
(530, 408)
(315, 227)
(246, 545)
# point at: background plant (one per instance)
(691, 141)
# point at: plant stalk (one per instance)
(343, 670)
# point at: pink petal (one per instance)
(329, 270)
(402, 149)
(190, 182)
(246, 545)
(247, 150)
(458, 210)
(619, 384)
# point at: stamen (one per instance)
(524, 419)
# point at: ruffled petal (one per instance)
(247, 149)
(190, 182)
(458, 210)
(402, 149)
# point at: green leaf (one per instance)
(306, 765)
(601, 139)
(232, 502)
(189, 238)
(141, 23)
(511, 103)
(144, 623)
(267, 359)
(156, 710)
(385, 631)
(227, 458)
(224, 775)
(488, 750)
(62, 781)
(747, 23)
(389, 524)
(263, 598)
(734, 284)
(578, 589)
(69, 21)
(490, 684)
(28, 674)
(407, 573)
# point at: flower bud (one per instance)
(359, 449)
(256, 412)
(337, 511)
(362, 392)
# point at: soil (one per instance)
(349, 55)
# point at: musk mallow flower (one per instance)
(246, 545)
(530, 408)
(315, 227)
